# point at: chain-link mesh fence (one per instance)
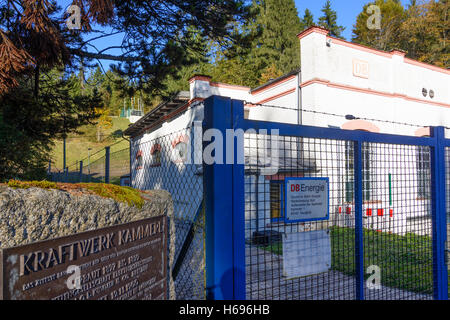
(162, 163)
(96, 170)
(119, 165)
(166, 162)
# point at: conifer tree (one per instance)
(329, 21)
(279, 24)
(307, 20)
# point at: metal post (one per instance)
(239, 287)
(224, 213)
(89, 164)
(438, 212)
(107, 153)
(359, 237)
(81, 171)
(64, 153)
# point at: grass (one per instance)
(120, 194)
(405, 261)
(77, 145)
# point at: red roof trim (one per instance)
(311, 30)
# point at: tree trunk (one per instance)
(36, 81)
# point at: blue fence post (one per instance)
(217, 186)
(438, 212)
(359, 237)
(239, 284)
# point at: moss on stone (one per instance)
(120, 194)
(29, 184)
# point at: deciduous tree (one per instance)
(386, 38)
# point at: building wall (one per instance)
(344, 78)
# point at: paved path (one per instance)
(265, 282)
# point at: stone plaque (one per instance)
(122, 262)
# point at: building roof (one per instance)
(293, 72)
(162, 110)
(177, 100)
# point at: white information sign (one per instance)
(306, 199)
(306, 253)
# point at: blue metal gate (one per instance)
(386, 233)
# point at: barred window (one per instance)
(423, 172)
(139, 160)
(155, 155)
(349, 172)
(368, 178)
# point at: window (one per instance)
(139, 160)
(423, 172)
(368, 178)
(180, 149)
(155, 153)
(276, 200)
(349, 172)
(180, 152)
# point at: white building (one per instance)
(337, 78)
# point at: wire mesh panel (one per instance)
(316, 259)
(94, 171)
(70, 175)
(397, 221)
(324, 266)
(119, 165)
(166, 162)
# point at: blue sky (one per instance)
(347, 11)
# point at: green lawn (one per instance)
(405, 261)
